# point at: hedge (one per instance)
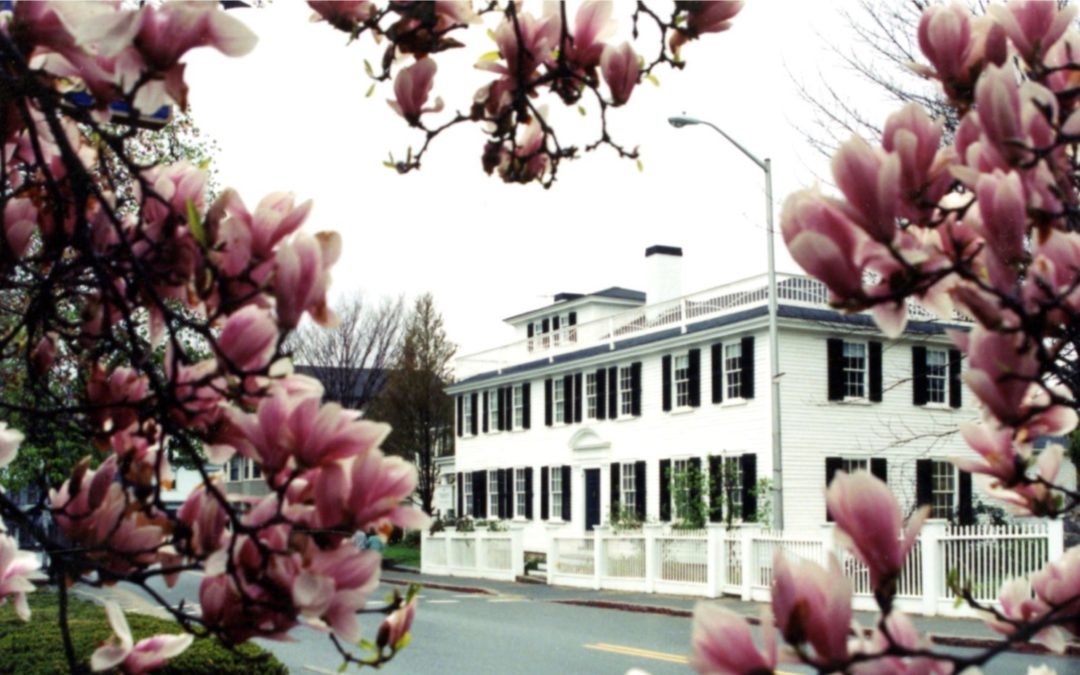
(35, 647)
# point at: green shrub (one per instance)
(36, 647)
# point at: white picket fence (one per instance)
(739, 561)
(481, 554)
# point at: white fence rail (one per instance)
(480, 554)
(739, 561)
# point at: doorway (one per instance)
(592, 499)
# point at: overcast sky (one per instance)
(292, 116)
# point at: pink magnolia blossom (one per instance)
(130, 657)
(302, 277)
(1018, 604)
(915, 138)
(812, 605)
(945, 39)
(997, 98)
(866, 511)
(721, 643)
(621, 71)
(412, 86)
(204, 513)
(10, 440)
(379, 487)
(902, 633)
(870, 180)
(1033, 26)
(396, 626)
(824, 241)
(20, 221)
(248, 339)
(333, 585)
(1001, 369)
(15, 569)
(999, 456)
(343, 14)
(1058, 586)
(538, 38)
(244, 237)
(592, 24)
(704, 17)
(1035, 498)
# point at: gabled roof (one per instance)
(326, 373)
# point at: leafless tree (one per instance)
(352, 359)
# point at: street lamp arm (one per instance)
(680, 121)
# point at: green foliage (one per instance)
(763, 494)
(688, 497)
(402, 554)
(465, 524)
(34, 647)
(624, 519)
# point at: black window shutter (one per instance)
(616, 493)
(529, 492)
(832, 467)
(694, 491)
(749, 485)
(924, 482)
(635, 388)
(507, 490)
(566, 513)
(572, 318)
(475, 412)
(918, 376)
(639, 489)
(545, 493)
(955, 391)
(526, 396)
(601, 394)
(613, 392)
(665, 371)
(875, 371)
(460, 493)
(966, 506)
(479, 491)
(555, 322)
(747, 363)
(568, 399)
(879, 467)
(716, 489)
(504, 407)
(500, 506)
(717, 373)
(836, 368)
(545, 326)
(547, 402)
(529, 330)
(665, 490)
(485, 415)
(577, 397)
(694, 373)
(460, 416)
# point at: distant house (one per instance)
(605, 399)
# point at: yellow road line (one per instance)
(642, 653)
(650, 654)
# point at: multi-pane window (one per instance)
(493, 410)
(590, 395)
(556, 492)
(466, 413)
(519, 492)
(943, 481)
(733, 369)
(937, 375)
(234, 468)
(680, 473)
(493, 493)
(519, 407)
(468, 500)
(629, 494)
(850, 466)
(256, 469)
(854, 369)
(558, 400)
(681, 376)
(626, 391)
(733, 486)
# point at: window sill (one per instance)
(625, 418)
(938, 406)
(856, 401)
(733, 402)
(681, 411)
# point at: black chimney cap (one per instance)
(663, 250)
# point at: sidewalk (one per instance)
(942, 630)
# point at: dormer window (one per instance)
(551, 331)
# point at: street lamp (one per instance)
(680, 121)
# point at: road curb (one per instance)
(442, 587)
(943, 640)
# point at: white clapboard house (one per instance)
(607, 398)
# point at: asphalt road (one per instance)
(510, 634)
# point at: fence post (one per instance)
(425, 543)
(600, 532)
(517, 549)
(652, 559)
(828, 543)
(480, 561)
(449, 535)
(749, 566)
(1055, 544)
(715, 569)
(933, 574)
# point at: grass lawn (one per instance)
(35, 647)
(402, 554)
